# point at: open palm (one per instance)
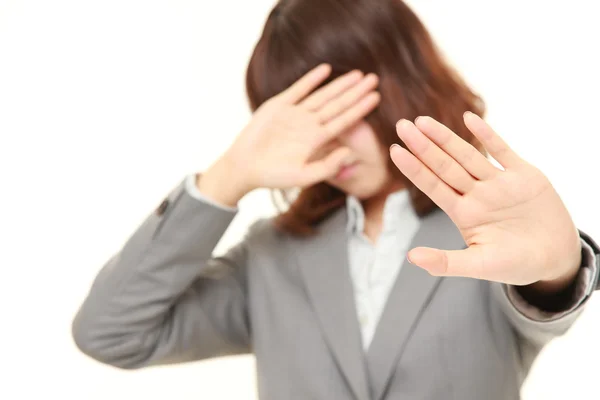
(515, 225)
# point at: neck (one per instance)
(374, 207)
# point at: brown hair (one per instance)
(384, 37)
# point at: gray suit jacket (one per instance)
(164, 299)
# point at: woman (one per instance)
(322, 294)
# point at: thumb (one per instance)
(466, 263)
(324, 168)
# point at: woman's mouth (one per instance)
(346, 171)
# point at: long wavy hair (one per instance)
(381, 36)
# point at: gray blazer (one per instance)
(164, 299)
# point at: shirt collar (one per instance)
(397, 207)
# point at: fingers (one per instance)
(437, 160)
(324, 168)
(328, 92)
(475, 163)
(351, 116)
(492, 142)
(338, 105)
(306, 84)
(352, 94)
(429, 183)
(465, 263)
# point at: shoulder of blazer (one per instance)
(263, 234)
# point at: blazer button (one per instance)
(160, 210)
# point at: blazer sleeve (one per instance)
(536, 327)
(163, 298)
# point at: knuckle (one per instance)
(331, 128)
(468, 155)
(345, 103)
(325, 111)
(433, 185)
(446, 138)
(443, 165)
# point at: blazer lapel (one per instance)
(410, 295)
(324, 266)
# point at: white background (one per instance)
(106, 105)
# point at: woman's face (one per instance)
(367, 174)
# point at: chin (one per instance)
(361, 189)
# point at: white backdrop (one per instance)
(106, 105)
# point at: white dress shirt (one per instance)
(374, 267)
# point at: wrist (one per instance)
(562, 280)
(223, 184)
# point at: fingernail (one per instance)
(423, 120)
(324, 67)
(402, 123)
(394, 145)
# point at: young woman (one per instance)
(420, 271)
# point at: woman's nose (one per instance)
(326, 149)
(335, 144)
(343, 139)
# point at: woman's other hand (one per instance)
(517, 229)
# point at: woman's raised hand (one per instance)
(276, 149)
(516, 227)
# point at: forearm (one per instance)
(121, 320)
